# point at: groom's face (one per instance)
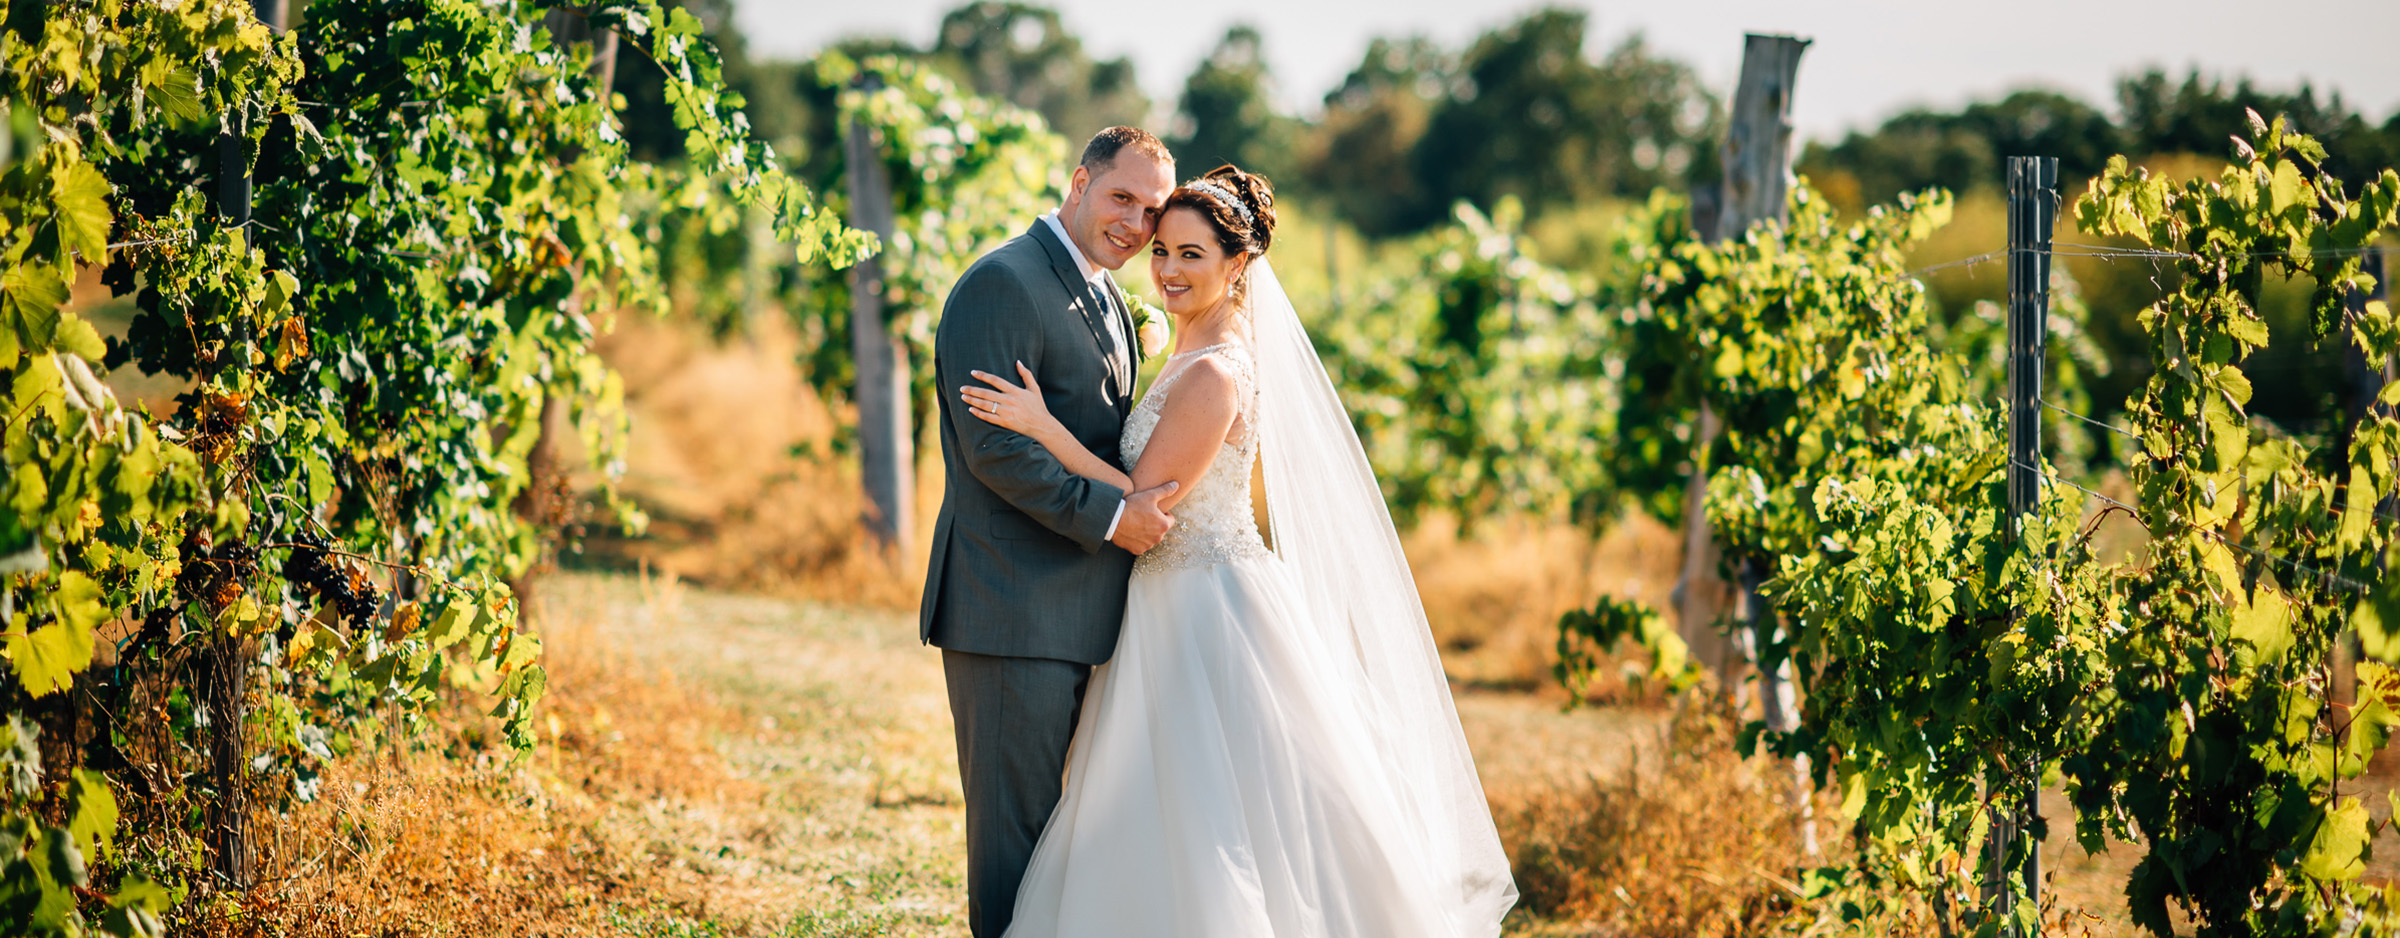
(1111, 215)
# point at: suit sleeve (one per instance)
(990, 324)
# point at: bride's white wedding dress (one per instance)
(1231, 775)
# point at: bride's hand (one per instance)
(1016, 408)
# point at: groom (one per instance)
(1026, 592)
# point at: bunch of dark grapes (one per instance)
(307, 563)
(313, 568)
(239, 558)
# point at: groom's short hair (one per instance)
(1101, 154)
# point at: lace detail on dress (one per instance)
(1214, 524)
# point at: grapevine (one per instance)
(1481, 380)
(967, 173)
(443, 219)
(1953, 656)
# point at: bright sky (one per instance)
(1871, 58)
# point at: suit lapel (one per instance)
(1079, 291)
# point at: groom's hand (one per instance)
(1144, 522)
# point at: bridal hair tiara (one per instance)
(1222, 194)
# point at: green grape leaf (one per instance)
(79, 197)
(2373, 717)
(48, 657)
(312, 647)
(281, 287)
(2219, 561)
(178, 93)
(2338, 851)
(2358, 511)
(2370, 727)
(2284, 189)
(528, 684)
(456, 621)
(62, 865)
(2264, 623)
(135, 909)
(76, 336)
(2376, 616)
(1854, 793)
(92, 811)
(2251, 330)
(30, 295)
(20, 756)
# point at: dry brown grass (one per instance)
(450, 835)
(1684, 838)
(1493, 598)
(730, 455)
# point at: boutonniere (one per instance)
(1150, 327)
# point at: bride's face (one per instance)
(1190, 269)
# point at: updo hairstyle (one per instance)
(1236, 233)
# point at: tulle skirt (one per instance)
(1224, 781)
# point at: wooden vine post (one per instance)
(1758, 174)
(887, 459)
(2033, 202)
(544, 503)
(223, 666)
(1758, 179)
(2363, 381)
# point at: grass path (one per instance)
(840, 814)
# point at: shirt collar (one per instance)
(1090, 272)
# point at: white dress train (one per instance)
(1225, 778)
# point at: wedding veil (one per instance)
(1328, 521)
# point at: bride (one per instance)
(1272, 751)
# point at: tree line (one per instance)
(1962, 150)
(1410, 131)
(1524, 110)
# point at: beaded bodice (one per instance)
(1214, 523)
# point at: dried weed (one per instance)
(1685, 839)
(452, 836)
(733, 457)
(1494, 597)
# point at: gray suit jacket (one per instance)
(1021, 564)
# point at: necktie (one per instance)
(1119, 369)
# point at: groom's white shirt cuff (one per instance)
(1092, 274)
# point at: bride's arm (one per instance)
(1022, 409)
(1191, 427)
